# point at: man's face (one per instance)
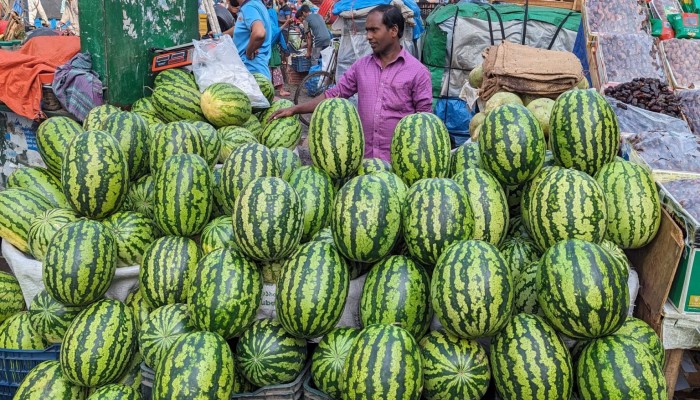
(379, 37)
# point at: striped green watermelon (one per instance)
(395, 183)
(472, 289)
(512, 144)
(40, 181)
(526, 291)
(139, 198)
(619, 367)
(199, 365)
(488, 203)
(372, 165)
(247, 162)
(97, 117)
(95, 174)
(18, 208)
(616, 252)
(582, 290)
(287, 160)
(52, 139)
(134, 232)
(176, 102)
(584, 132)
(366, 219)
(267, 219)
(517, 228)
(640, 331)
(132, 375)
(525, 198)
(565, 204)
(80, 263)
(175, 138)
(11, 298)
(183, 195)
(211, 141)
(420, 148)
(153, 129)
(217, 234)
(149, 119)
(311, 290)
(138, 305)
(397, 291)
(271, 270)
(144, 105)
(131, 132)
(225, 293)
(336, 142)
(224, 104)
(264, 115)
(329, 357)
(44, 227)
(281, 132)
(268, 355)
(634, 209)
(161, 329)
(17, 333)
(99, 344)
(218, 200)
(529, 361)
(384, 362)
(240, 383)
(115, 392)
(174, 76)
(165, 271)
(46, 381)
(436, 214)
(253, 126)
(464, 157)
(265, 85)
(454, 368)
(50, 318)
(316, 192)
(233, 137)
(519, 253)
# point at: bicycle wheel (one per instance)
(311, 86)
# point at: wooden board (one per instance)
(566, 4)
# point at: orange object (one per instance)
(46, 78)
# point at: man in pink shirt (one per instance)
(390, 83)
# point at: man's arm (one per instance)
(257, 38)
(423, 92)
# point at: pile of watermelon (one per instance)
(500, 240)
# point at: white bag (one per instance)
(217, 61)
(28, 272)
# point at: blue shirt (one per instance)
(252, 11)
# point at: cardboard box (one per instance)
(685, 291)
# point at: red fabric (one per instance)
(20, 87)
(326, 8)
(3, 26)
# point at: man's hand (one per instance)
(251, 54)
(282, 113)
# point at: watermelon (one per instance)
(384, 362)
(640, 331)
(140, 196)
(372, 165)
(80, 263)
(96, 118)
(149, 119)
(564, 204)
(616, 252)
(40, 181)
(218, 200)
(488, 203)
(311, 290)
(199, 365)
(231, 138)
(144, 105)
(115, 392)
(132, 375)
(133, 232)
(131, 132)
(529, 361)
(18, 208)
(217, 234)
(175, 138)
(264, 115)
(420, 148)
(247, 162)
(46, 381)
(281, 132)
(328, 360)
(44, 227)
(336, 140)
(178, 101)
(268, 355)
(11, 298)
(166, 269)
(18, 333)
(472, 289)
(183, 195)
(211, 141)
(287, 160)
(174, 76)
(395, 184)
(582, 290)
(397, 291)
(265, 85)
(50, 318)
(517, 228)
(619, 367)
(225, 293)
(464, 157)
(316, 192)
(436, 214)
(224, 104)
(634, 209)
(253, 126)
(95, 174)
(584, 132)
(138, 305)
(52, 138)
(99, 344)
(267, 219)
(519, 253)
(526, 291)
(512, 144)
(454, 368)
(161, 329)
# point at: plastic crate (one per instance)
(312, 393)
(16, 364)
(301, 64)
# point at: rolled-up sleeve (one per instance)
(423, 91)
(346, 86)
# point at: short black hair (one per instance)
(305, 8)
(391, 15)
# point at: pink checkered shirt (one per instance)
(385, 96)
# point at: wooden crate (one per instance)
(566, 4)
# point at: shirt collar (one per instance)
(400, 56)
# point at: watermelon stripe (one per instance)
(17, 333)
(488, 203)
(18, 208)
(245, 163)
(52, 138)
(41, 181)
(47, 378)
(160, 331)
(420, 148)
(164, 273)
(175, 138)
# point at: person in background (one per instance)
(252, 37)
(278, 44)
(284, 13)
(390, 83)
(234, 7)
(225, 18)
(35, 8)
(318, 37)
(70, 18)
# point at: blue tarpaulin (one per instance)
(348, 5)
(456, 116)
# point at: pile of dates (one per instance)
(649, 94)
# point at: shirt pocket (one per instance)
(400, 97)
